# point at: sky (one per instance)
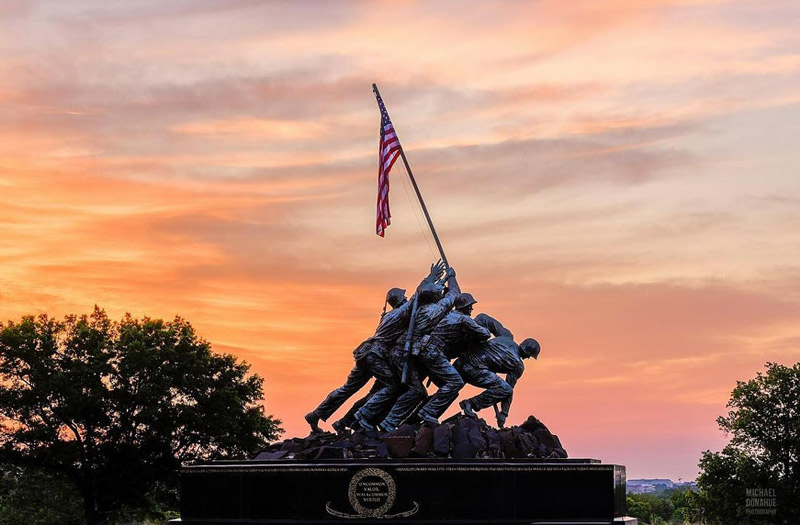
(617, 179)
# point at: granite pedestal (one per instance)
(542, 491)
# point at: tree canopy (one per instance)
(117, 407)
(756, 477)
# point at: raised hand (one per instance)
(437, 269)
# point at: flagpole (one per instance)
(416, 189)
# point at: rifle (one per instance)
(407, 347)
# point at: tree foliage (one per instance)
(763, 454)
(118, 406)
(671, 506)
(36, 496)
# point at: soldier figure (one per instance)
(348, 420)
(427, 349)
(370, 356)
(458, 330)
(480, 365)
(367, 410)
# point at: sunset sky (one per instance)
(617, 179)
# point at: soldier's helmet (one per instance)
(530, 348)
(429, 293)
(463, 300)
(395, 297)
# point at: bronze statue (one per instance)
(458, 330)
(433, 336)
(370, 356)
(370, 409)
(480, 365)
(427, 350)
(348, 420)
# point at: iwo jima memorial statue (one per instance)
(390, 459)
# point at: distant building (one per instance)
(640, 488)
(644, 486)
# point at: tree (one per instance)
(684, 505)
(675, 506)
(117, 407)
(758, 472)
(652, 508)
(639, 508)
(36, 496)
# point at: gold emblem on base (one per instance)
(372, 493)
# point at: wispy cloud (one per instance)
(615, 179)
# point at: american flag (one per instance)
(388, 151)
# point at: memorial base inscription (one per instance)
(410, 491)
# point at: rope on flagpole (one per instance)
(417, 217)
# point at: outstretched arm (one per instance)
(505, 406)
(436, 312)
(451, 283)
(493, 325)
(473, 331)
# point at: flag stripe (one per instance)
(388, 152)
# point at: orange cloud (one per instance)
(616, 180)
(253, 128)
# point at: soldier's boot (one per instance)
(468, 409)
(339, 426)
(313, 420)
(427, 418)
(383, 426)
(361, 423)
